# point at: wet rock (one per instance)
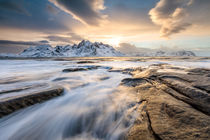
(84, 68)
(85, 62)
(186, 89)
(177, 106)
(203, 87)
(133, 82)
(125, 71)
(12, 104)
(165, 117)
(75, 69)
(104, 78)
(60, 79)
(200, 71)
(114, 70)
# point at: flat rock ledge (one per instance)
(12, 104)
(174, 105)
(84, 68)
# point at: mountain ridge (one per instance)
(84, 49)
(88, 49)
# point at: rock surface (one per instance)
(14, 103)
(174, 105)
(84, 68)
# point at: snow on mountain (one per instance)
(88, 49)
(183, 53)
(164, 54)
(83, 49)
(38, 51)
(177, 53)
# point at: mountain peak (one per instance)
(85, 43)
(84, 49)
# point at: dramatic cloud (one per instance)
(59, 39)
(75, 37)
(128, 48)
(52, 9)
(68, 38)
(86, 11)
(6, 42)
(170, 15)
(12, 5)
(7, 46)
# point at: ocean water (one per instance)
(93, 105)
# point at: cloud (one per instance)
(52, 9)
(56, 38)
(13, 14)
(8, 46)
(86, 11)
(75, 36)
(33, 43)
(128, 48)
(15, 6)
(170, 15)
(68, 38)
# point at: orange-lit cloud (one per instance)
(170, 15)
(86, 11)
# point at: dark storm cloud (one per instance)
(75, 36)
(8, 42)
(52, 9)
(12, 5)
(87, 11)
(59, 39)
(30, 15)
(199, 11)
(7, 46)
(69, 38)
(170, 15)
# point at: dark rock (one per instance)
(203, 87)
(125, 71)
(12, 104)
(200, 71)
(91, 67)
(133, 82)
(75, 69)
(84, 62)
(104, 78)
(60, 79)
(85, 68)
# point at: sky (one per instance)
(137, 25)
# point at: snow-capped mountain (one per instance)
(181, 53)
(177, 53)
(88, 49)
(83, 49)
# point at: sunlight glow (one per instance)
(115, 41)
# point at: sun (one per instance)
(115, 41)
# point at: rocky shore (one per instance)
(174, 103)
(168, 102)
(12, 104)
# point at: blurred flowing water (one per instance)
(92, 107)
